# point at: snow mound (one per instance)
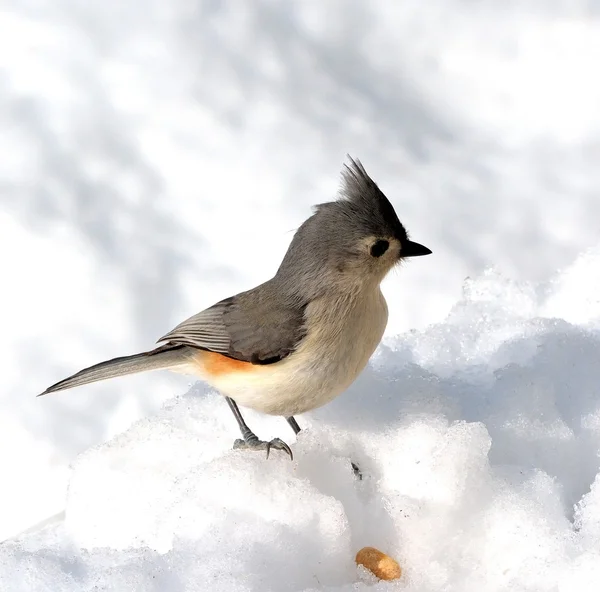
(478, 442)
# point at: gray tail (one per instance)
(166, 356)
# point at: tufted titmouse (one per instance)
(297, 341)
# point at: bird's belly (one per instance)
(325, 364)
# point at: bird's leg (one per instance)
(294, 425)
(250, 441)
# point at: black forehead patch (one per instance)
(363, 198)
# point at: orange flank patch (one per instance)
(215, 364)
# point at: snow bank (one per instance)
(478, 440)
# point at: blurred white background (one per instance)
(157, 156)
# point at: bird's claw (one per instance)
(275, 444)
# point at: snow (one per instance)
(477, 439)
(157, 157)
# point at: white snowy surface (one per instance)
(478, 439)
(156, 157)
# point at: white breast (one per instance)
(340, 340)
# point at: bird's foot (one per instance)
(253, 443)
(356, 471)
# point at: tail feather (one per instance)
(166, 356)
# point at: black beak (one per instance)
(411, 249)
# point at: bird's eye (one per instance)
(379, 248)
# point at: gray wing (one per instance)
(250, 326)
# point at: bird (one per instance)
(295, 342)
